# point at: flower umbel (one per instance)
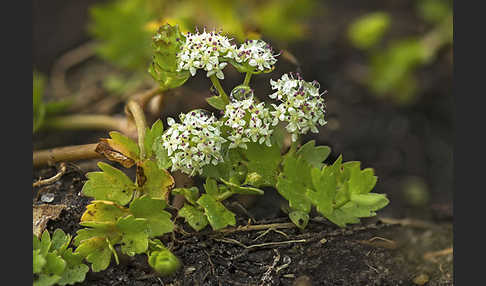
(249, 122)
(257, 53)
(302, 106)
(206, 51)
(193, 143)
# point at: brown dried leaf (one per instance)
(42, 214)
(111, 154)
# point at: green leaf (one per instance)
(325, 184)
(96, 250)
(54, 264)
(167, 79)
(362, 182)
(218, 215)
(135, 232)
(152, 209)
(103, 211)
(294, 181)
(314, 155)
(264, 161)
(158, 182)
(75, 270)
(211, 187)
(60, 240)
(104, 230)
(166, 44)
(73, 274)
(190, 194)
(372, 201)
(194, 217)
(38, 261)
(151, 134)
(218, 102)
(342, 216)
(161, 155)
(45, 243)
(46, 280)
(299, 218)
(111, 184)
(124, 145)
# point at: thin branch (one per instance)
(65, 154)
(55, 178)
(257, 227)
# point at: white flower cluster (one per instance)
(193, 143)
(248, 122)
(209, 51)
(302, 106)
(257, 53)
(203, 51)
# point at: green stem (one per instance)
(219, 88)
(247, 78)
(225, 195)
(141, 124)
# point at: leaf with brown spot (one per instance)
(103, 211)
(140, 176)
(111, 154)
(124, 145)
(158, 182)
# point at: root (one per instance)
(53, 179)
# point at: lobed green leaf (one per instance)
(314, 155)
(111, 184)
(194, 217)
(151, 134)
(152, 209)
(217, 214)
(157, 182)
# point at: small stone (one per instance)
(47, 198)
(189, 270)
(421, 279)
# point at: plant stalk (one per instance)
(218, 87)
(65, 154)
(247, 79)
(134, 109)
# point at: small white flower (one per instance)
(205, 51)
(194, 142)
(302, 106)
(257, 53)
(249, 122)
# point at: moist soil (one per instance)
(369, 253)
